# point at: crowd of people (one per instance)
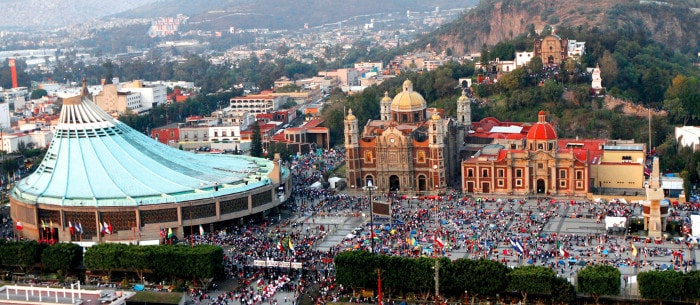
(474, 227)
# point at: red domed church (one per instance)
(528, 159)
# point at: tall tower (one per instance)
(652, 208)
(464, 110)
(436, 136)
(385, 107)
(13, 71)
(352, 151)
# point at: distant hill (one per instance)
(674, 23)
(41, 14)
(276, 14)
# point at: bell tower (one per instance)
(436, 136)
(464, 110)
(385, 106)
(352, 150)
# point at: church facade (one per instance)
(410, 149)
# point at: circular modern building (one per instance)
(101, 179)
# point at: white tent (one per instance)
(333, 180)
(695, 220)
(316, 185)
(615, 222)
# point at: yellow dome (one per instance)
(350, 116)
(463, 97)
(435, 117)
(386, 97)
(408, 100)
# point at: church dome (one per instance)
(435, 117)
(541, 130)
(350, 116)
(463, 98)
(408, 100)
(386, 98)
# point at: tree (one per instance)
(608, 69)
(552, 91)
(531, 279)
(599, 280)
(563, 292)
(104, 257)
(62, 257)
(484, 60)
(660, 285)
(256, 142)
(692, 285)
(38, 93)
(137, 258)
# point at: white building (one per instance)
(264, 102)
(38, 138)
(5, 116)
(151, 95)
(575, 48)
(523, 58)
(688, 136)
(370, 66)
(15, 97)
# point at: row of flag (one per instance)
(75, 227)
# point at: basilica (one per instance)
(410, 149)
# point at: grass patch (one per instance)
(157, 297)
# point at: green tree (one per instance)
(563, 292)
(660, 285)
(608, 69)
(354, 269)
(38, 93)
(531, 279)
(484, 60)
(599, 280)
(138, 259)
(62, 256)
(256, 142)
(552, 91)
(692, 285)
(105, 257)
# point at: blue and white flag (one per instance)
(516, 245)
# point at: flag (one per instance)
(19, 226)
(43, 224)
(80, 228)
(291, 245)
(279, 246)
(170, 233)
(517, 246)
(634, 250)
(562, 252)
(201, 230)
(413, 241)
(105, 228)
(109, 227)
(70, 228)
(102, 229)
(438, 242)
(162, 232)
(50, 223)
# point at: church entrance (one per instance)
(540, 186)
(550, 59)
(421, 183)
(394, 184)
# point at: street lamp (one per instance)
(370, 188)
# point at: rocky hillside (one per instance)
(673, 23)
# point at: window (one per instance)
(519, 173)
(470, 172)
(540, 165)
(368, 157)
(421, 156)
(562, 183)
(500, 173)
(512, 146)
(518, 182)
(579, 175)
(484, 173)
(500, 182)
(562, 174)
(579, 184)
(540, 146)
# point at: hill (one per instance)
(673, 23)
(276, 15)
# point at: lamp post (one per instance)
(369, 188)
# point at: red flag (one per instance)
(109, 227)
(19, 226)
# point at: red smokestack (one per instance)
(13, 71)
